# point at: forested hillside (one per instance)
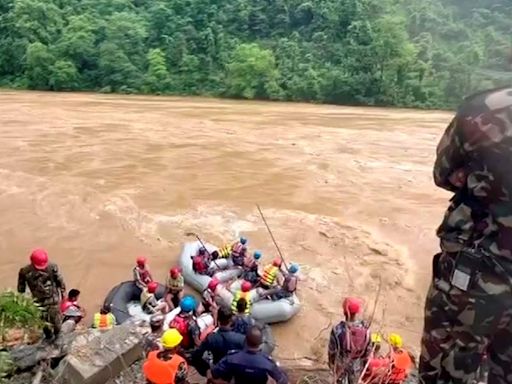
(426, 53)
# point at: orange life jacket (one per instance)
(269, 275)
(159, 371)
(402, 365)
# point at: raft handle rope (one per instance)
(272, 236)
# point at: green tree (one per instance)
(64, 76)
(39, 66)
(157, 76)
(252, 73)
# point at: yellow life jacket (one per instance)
(225, 251)
(269, 275)
(239, 295)
(103, 322)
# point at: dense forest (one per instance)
(423, 53)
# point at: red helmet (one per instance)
(175, 272)
(277, 262)
(39, 258)
(352, 306)
(246, 286)
(141, 261)
(152, 287)
(212, 285)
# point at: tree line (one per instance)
(421, 53)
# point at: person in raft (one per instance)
(149, 303)
(141, 275)
(175, 285)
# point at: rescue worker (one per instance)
(243, 293)
(250, 273)
(141, 275)
(166, 366)
(402, 362)
(238, 252)
(151, 341)
(349, 342)
(218, 343)
(175, 285)
(201, 263)
(47, 287)
(148, 301)
(289, 286)
(379, 366)
(249, 366)
(467, 310)
(104, 319)
(208, 303)
(186, 325)
(242, 321)
(71, 301)
(271, 274)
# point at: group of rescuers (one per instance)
(235, 349)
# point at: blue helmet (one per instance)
(243, 240)
(188, 304)
(294, 268)
(257, 255)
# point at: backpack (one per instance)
(356, 339)
(181, 325)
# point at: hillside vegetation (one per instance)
(424, 53)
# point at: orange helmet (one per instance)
(212, 285)
(352, 306)
(175, 272)
(246, 286)
(277, 262)
(141, 261)
(39, 258)
(152, 287)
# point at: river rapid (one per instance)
(98, 180)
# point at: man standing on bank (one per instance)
(47, 287)
(468, 309)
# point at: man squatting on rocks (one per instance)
(467, 311)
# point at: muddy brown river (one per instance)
(348, 193)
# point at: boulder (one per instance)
(95, 358)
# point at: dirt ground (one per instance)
(348, 193)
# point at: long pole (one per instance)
(272, 236)
(204, 246)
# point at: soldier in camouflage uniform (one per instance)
(47, 288)
(468, 309)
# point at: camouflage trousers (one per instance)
(52, 316)
(462, 326)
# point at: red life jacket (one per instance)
(199, 265)
(144, 274)
(181, 324)
(66, 304)
(356, 339)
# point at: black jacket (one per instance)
(218, 344)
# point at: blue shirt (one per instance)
(248, 367)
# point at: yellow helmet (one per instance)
(395, 340)
(171, 338)
(376, 338)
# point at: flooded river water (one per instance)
(348, 193)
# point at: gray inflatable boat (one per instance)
(263, 310)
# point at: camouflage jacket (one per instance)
(478, 142)
(46, 285)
